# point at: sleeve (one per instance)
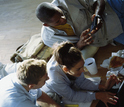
(60, 84)
(64, 90)
(6, 69)
(39, 93)
(87, 3)
(26, 103)
(51, 36)
(86, 84)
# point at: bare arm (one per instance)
(85, 39)
(110, 83)
(108, 97)
(45, 99)
(99, 7)
(86, 36)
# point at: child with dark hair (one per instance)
(65, 71)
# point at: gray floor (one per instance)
(17, 24)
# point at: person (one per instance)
(67, 20)
(22, 88)
(66, 77)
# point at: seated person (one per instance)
(65, 20)
(21, 89)
(65, 71)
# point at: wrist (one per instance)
(97, 94)
(102, 87)
(77, 45)
(98, 16)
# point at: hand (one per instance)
(85, 39)
(99, 22)
(111, 81)
(107, 97)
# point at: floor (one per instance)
(102, 54)
(19, 23)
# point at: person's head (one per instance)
(32, 73)
(50, 14)
(67, 55)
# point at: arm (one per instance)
(50, 36)
(46, 99)
(87, 84)
(64, 88)
(67, 91)
(108, 97)
(99, 7)
(109, 83)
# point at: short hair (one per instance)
(45, 11)
(30, 71)
(66, 54)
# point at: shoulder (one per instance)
(24, 103)
(55, 72)
(16, 99)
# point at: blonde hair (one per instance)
(30, 71)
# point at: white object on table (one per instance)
(90, 64)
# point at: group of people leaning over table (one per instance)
(64, 24)
(61, 77)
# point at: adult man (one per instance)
(76, 16)
(21, 89)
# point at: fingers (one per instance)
(93, 16)
(84, 33)
(86, 36)
(106, 105)
(114, 78)
(112, 98)
(88, 39)
(94, 31)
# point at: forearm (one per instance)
(85, 39)
(101, 87)
(79, 46)
(99, 7)
(46, 99)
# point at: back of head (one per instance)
(45, 11)
(66, 54)
(30, 71)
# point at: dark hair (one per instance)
(66, 54)
(45, 11)
(30, 71)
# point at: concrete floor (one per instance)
(17, 24)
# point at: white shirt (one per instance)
(80, 13)
(12, 94)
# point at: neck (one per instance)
(26, 87)
(71, 77)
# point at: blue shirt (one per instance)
(12, 94)
(59, 82)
